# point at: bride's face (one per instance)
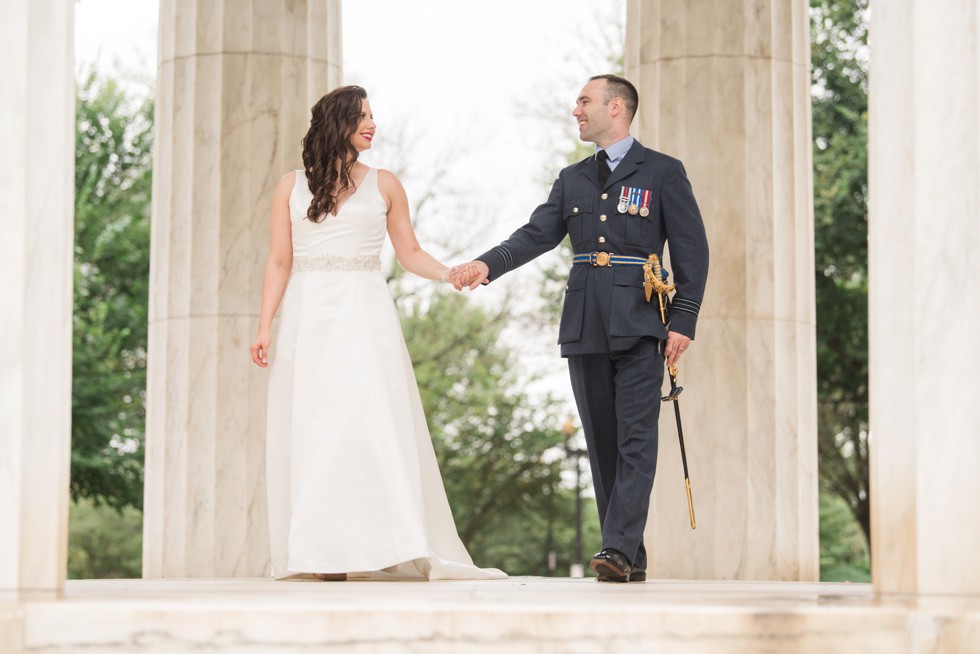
(364, 134)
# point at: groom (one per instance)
(618, 207)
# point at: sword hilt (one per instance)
(675, 390)
(659, 284)
(653, 281)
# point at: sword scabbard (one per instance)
(672, 371)
(690, 503)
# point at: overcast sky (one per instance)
(491, 85)
(486, 87)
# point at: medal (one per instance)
(634, 201)
(623, 201)
(645, 206)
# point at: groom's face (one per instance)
(592, 111)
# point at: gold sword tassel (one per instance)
(648, 279)
(653, 281)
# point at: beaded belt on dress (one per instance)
(337, 263)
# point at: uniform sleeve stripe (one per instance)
(505, 255)
(681, 308)
(686, 305)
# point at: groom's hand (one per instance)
(458, 276)
(479, 272)
(676, 344)
(470, 274)
(461, 275)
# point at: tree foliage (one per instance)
(839, 39)
(844, 552)
(112, 258)
(104, 542)
(499, 450)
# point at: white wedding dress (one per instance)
(353, 481)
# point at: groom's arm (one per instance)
(542, 233)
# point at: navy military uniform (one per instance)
(609, 332)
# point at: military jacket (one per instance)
(605, 308)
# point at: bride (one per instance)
(353, 484)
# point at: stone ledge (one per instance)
(519, 615)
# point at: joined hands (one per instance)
(471, 274)
(475, 273)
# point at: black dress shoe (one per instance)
(612, 565)
(635, 575)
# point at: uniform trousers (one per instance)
(618, 398)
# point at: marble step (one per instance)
(519, 615)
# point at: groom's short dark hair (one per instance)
(621, 87)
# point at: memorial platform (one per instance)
(519, 615)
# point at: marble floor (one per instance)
(521, 614)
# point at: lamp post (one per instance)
(552, 558)
(577, 569)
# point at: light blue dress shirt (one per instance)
(617, 151)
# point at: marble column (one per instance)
(725, 87)
(924, 303)
(234, 88)
(37, 129)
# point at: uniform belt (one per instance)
(606, 259)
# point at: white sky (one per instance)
(488, 87)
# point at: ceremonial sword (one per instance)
(655, 279)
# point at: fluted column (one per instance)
(235, 84)
(37, 129)
(725, 87)
(924, 302)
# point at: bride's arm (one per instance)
(277, 268)
(410, 254)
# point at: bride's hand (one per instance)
(470, 274)
(260, 349)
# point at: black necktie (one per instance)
(602, 162)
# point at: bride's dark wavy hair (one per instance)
(335, 119)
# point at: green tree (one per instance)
(112, 206)
(839, 36)
(521, 546)
(499, 450)
(843, 549)
(104, 542)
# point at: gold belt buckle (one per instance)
(602, 258)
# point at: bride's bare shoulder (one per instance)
(388, 180)
(286, 183)
(289, 180)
